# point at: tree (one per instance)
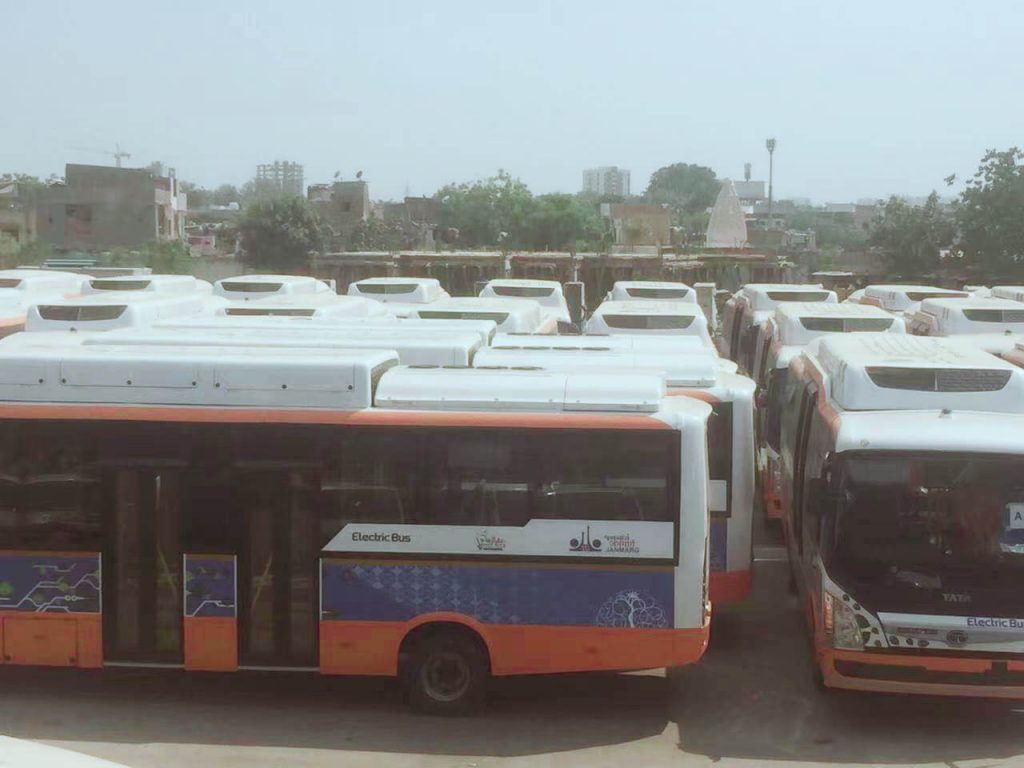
(280, 234)
(488, 212)
(683, 187)
(562, 222)
(911, 235)
(990, 212)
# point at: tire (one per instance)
(447, 673)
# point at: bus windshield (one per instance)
(930, 520)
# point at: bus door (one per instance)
(142, 565)
(278, 568)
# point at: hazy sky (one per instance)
(865, 98)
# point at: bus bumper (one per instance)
(729, 586)
(929, 675)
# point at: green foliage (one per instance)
(911, 236)
(829, 229)
(561, 222)
(375, 235)
(991, 212)
(164, 257)
(488, 212)
(683, 187)
(280, 234)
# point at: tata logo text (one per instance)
(956, 597)
(394, 538)
(995, 623)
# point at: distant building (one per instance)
(608, 180)
(279, 179)
(100, 207)
(342, 204)
(749, 192)
(638, 224)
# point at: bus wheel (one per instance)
(446, 673)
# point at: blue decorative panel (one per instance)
(210, 586)
(50, 583)
(498, 594)
(719, 544)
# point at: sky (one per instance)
(865, 99)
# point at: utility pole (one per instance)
(770, 146)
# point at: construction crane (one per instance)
(118, 154)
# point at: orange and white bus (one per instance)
(236, 508)
(903, 507)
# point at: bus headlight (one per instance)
(841, 624)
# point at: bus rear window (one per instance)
(658, 293)
(382, 289)
(438, 314)
(9, 282)
(119, 285)
(798, 295)
(85, 312)
(648, 322)
(922, 295)
(268, 311)
(522, 291)
(235, 286)
(846, 324)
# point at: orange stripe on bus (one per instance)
(729, 586)
(235, 415)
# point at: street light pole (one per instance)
(770, 145)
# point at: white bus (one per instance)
(103, 312)
(156, 284)
(904, 299)
(401, 294)
(438, 525)
(25, 281)
(412, 347)
(510, 315)
(547, 293)
(630, 290)
(1012, 292)
(904, 513)
(959, 317)
(323, 307)
(249, 287)
(753, 305)
(786, 335)
(645, 316)
(730, 438)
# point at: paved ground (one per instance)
(750, 701)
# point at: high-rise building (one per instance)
(608, 180)
(279, 179)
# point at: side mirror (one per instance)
(761, 399)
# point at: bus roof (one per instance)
(657, 290)
(681, 370)
(899, 298)
(800, 322)
(412, 347)
(41, 280)
(638, 342)
(508, 314)
(208, 375)
(931, 430)
(245, 287)
(649, 316)
(113, 310)
(767, 296)
(951, 317)
(1013, 292)
(159, 284)
(886, 372)
(419, 388)
(404, 290)
(320, 306)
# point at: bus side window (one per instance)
(808, 402)
(370, 476)
(480, 477)
(50, 496)
(597, 475)
(735, 330)
(818, 447)
(778, 397)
